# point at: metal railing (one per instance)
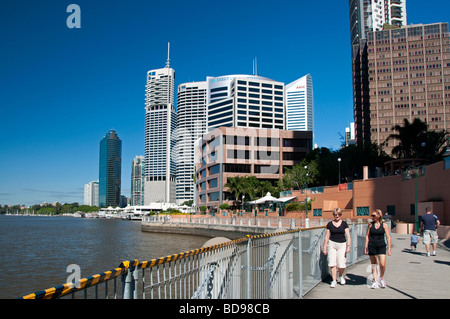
(260, 221)
(281, 265)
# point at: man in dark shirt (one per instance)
(429, 224)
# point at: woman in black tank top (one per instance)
(376, 246)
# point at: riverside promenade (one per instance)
(409, 275)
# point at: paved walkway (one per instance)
(409, 275)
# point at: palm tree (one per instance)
(433, 145)
(235, 186)
(407, 136)
(417, 141)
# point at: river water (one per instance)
(36, 250)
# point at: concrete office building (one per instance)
(408, 76)
(245, 101)
(300, 105)
(160, 125)
(239, 151)
(91, 193)
(191, 113)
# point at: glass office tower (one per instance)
(110, 170)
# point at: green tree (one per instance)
(415, 140)
(235, 186)
(433, 145)
(300, 176)
(407, 136)
(355, 157)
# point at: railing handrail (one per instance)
(127, 266)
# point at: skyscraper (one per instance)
(371, 15)
(137, 181)
(245, 101)
(409, 77)
(91, 193)
(110, 170)
(160, 125)
(191, 125)
(300, 105)
(368, 16)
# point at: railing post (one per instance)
(249, 268)
(354, 240)
(300, 263)
(129, 283)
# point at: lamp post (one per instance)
(416, 208)
(306, 197)
(339, 164)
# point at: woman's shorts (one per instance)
(336, 254)
(376, 249)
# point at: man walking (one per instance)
(429, 225)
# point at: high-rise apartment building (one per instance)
(368, 16)
(91, 194)
(160, 125)
(110, 170)
(137, 181)
(371, 15)
(300, 105)
(409, 77)
(245, 101)
(191, 125)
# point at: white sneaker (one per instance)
(433, 254)
(374, 285)
(342, 280)
(428, 254)
(333, 284)
(382, 283)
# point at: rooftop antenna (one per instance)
(168, 55)
(255, 66)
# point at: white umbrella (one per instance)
(267, 198)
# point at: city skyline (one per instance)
(63, 88)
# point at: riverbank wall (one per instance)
(206, 230)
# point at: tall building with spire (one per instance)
(160, 125)
(110, 170)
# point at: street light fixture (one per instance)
(339, 162)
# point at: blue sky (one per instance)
(62, 89)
